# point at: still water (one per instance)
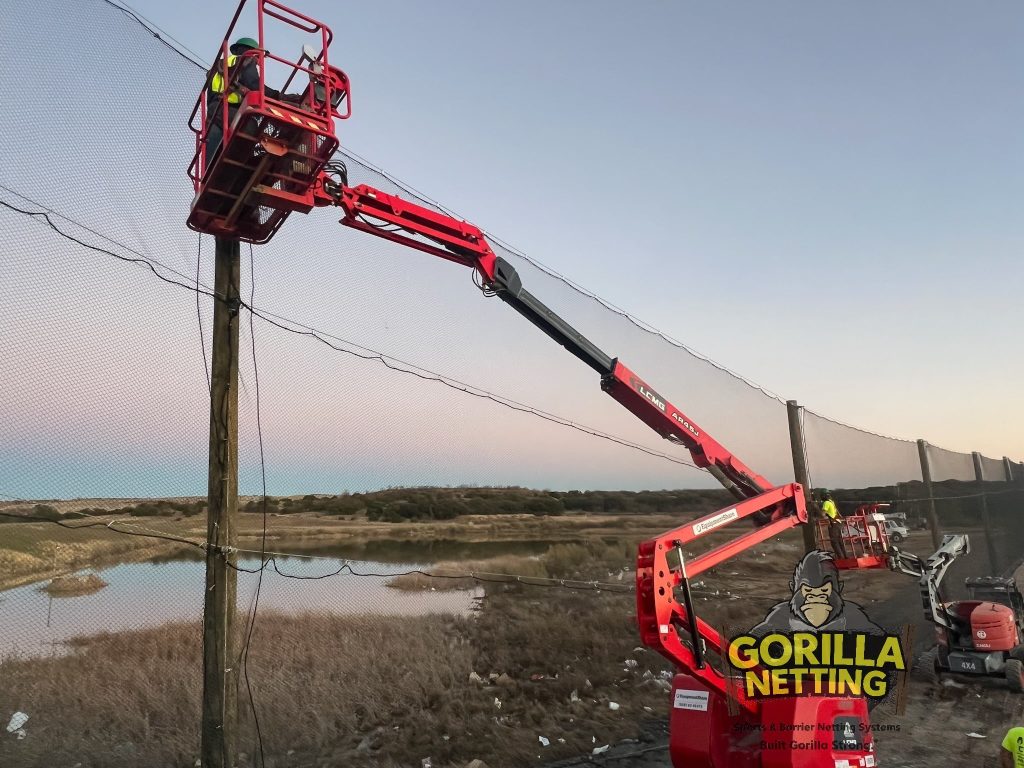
(143, 595)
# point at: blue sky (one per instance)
(823, 196)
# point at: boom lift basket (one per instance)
(258, 157)
(864, 539)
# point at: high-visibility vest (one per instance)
(829, 508)
(217, 83)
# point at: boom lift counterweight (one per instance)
(275, 160)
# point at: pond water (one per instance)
(147, 594)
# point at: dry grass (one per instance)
(561, 561)
(74, 585)
(361, 691)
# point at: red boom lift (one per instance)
(275, 159)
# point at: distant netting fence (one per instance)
(373, 368)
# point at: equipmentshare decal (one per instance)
(715, 522)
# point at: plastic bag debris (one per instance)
(543, 742)
(600, 750)
(613, 705)
(18, 719)
(475, 678)
(631, 663)
(497, 703)
(425, 763)
(574, 696)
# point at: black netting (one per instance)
(993, 469)
(950, 465)
(846, 457)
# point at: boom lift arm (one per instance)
(275, 159)
(664, 604)
(931, 572)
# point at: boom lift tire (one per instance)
(931, 667)
(1014, 672)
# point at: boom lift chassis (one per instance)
(274, 159)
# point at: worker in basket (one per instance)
(835, 522)
(247, 79)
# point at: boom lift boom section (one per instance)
(931, 572)
(664, 605)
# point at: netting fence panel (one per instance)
(993, 469)
(845, 457)
(950, 465)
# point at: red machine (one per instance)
(252, 185)
(980, 636)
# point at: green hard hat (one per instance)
(243, 42)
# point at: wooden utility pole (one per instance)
(220, 675)
(990, 544)
(926, 476)
(797, 446)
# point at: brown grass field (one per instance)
(379, 691)
(363, 691)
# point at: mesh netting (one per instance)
(950, 465)
(993, 469)
(846, 457)
(335, 421)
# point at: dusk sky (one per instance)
(823, 197)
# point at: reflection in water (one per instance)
(143, 595)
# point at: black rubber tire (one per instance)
(1014, 672)
(930, 666)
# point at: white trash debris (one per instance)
(600, 750)
(497, 703)
(613, 705)
(475, 678)
(18, 719)
(631, 663)
(974, 735)
(574, 696)
(425, 763)
(543, 742)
